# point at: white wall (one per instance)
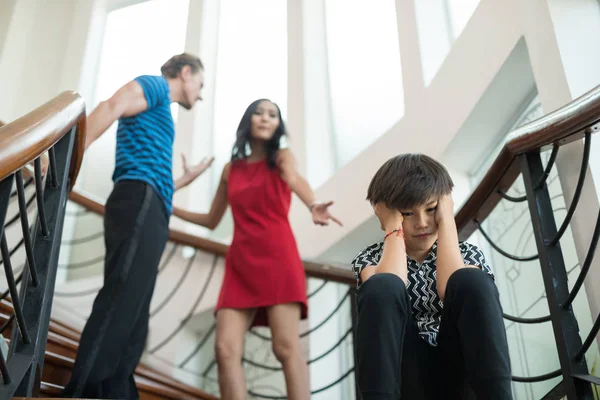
(40, 66)
(6, 12)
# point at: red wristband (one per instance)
(398, 231)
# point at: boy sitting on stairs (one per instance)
(429, 317)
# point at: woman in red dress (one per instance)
(264, 282)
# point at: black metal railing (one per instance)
(55, 127)
(580, 123)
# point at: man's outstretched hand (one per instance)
(190, 173)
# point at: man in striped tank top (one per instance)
(136, 223)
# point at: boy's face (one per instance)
(420, 228)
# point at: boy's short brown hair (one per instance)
(173, 67)
(409, 180)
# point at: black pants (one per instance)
(471, 359)
(135, 233)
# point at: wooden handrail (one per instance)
(27, 138)
(567, 124)
(313, 269)
(175, 236)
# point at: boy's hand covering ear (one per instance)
(445, 208)
(389, 219)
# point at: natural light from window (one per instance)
(460, 13)
(127, 53)
(439, 24)
(251, 64)
(364, 72)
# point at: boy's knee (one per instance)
(470, 282)
(381, 290)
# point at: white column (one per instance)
(318, 121)
(309, 104)
(86, 44)
(410, 54)
(195, 128)
(295, 95)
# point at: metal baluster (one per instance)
(25, 229)
(12, 286)
(354, 316)
(554, 274)
(39, 195)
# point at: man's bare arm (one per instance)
(129, 100)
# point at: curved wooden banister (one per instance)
(27, 138)
(313, 269)
(175, 236)
(567, 124)
(329, 272)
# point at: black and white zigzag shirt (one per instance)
(424, 299)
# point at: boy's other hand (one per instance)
(445, 209)
(389, 218)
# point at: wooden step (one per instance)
(57, 369)
(61, 349)
(148, 390)
(50, 389)
(60, 355)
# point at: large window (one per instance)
(251, 64)
(459, 13)
(439, 23)
(364, 72)
(138, 39)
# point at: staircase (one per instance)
(61, 349)
(41, 349)
(49, 367)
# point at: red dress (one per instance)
(263, 266)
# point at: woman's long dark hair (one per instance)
(243, 136)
